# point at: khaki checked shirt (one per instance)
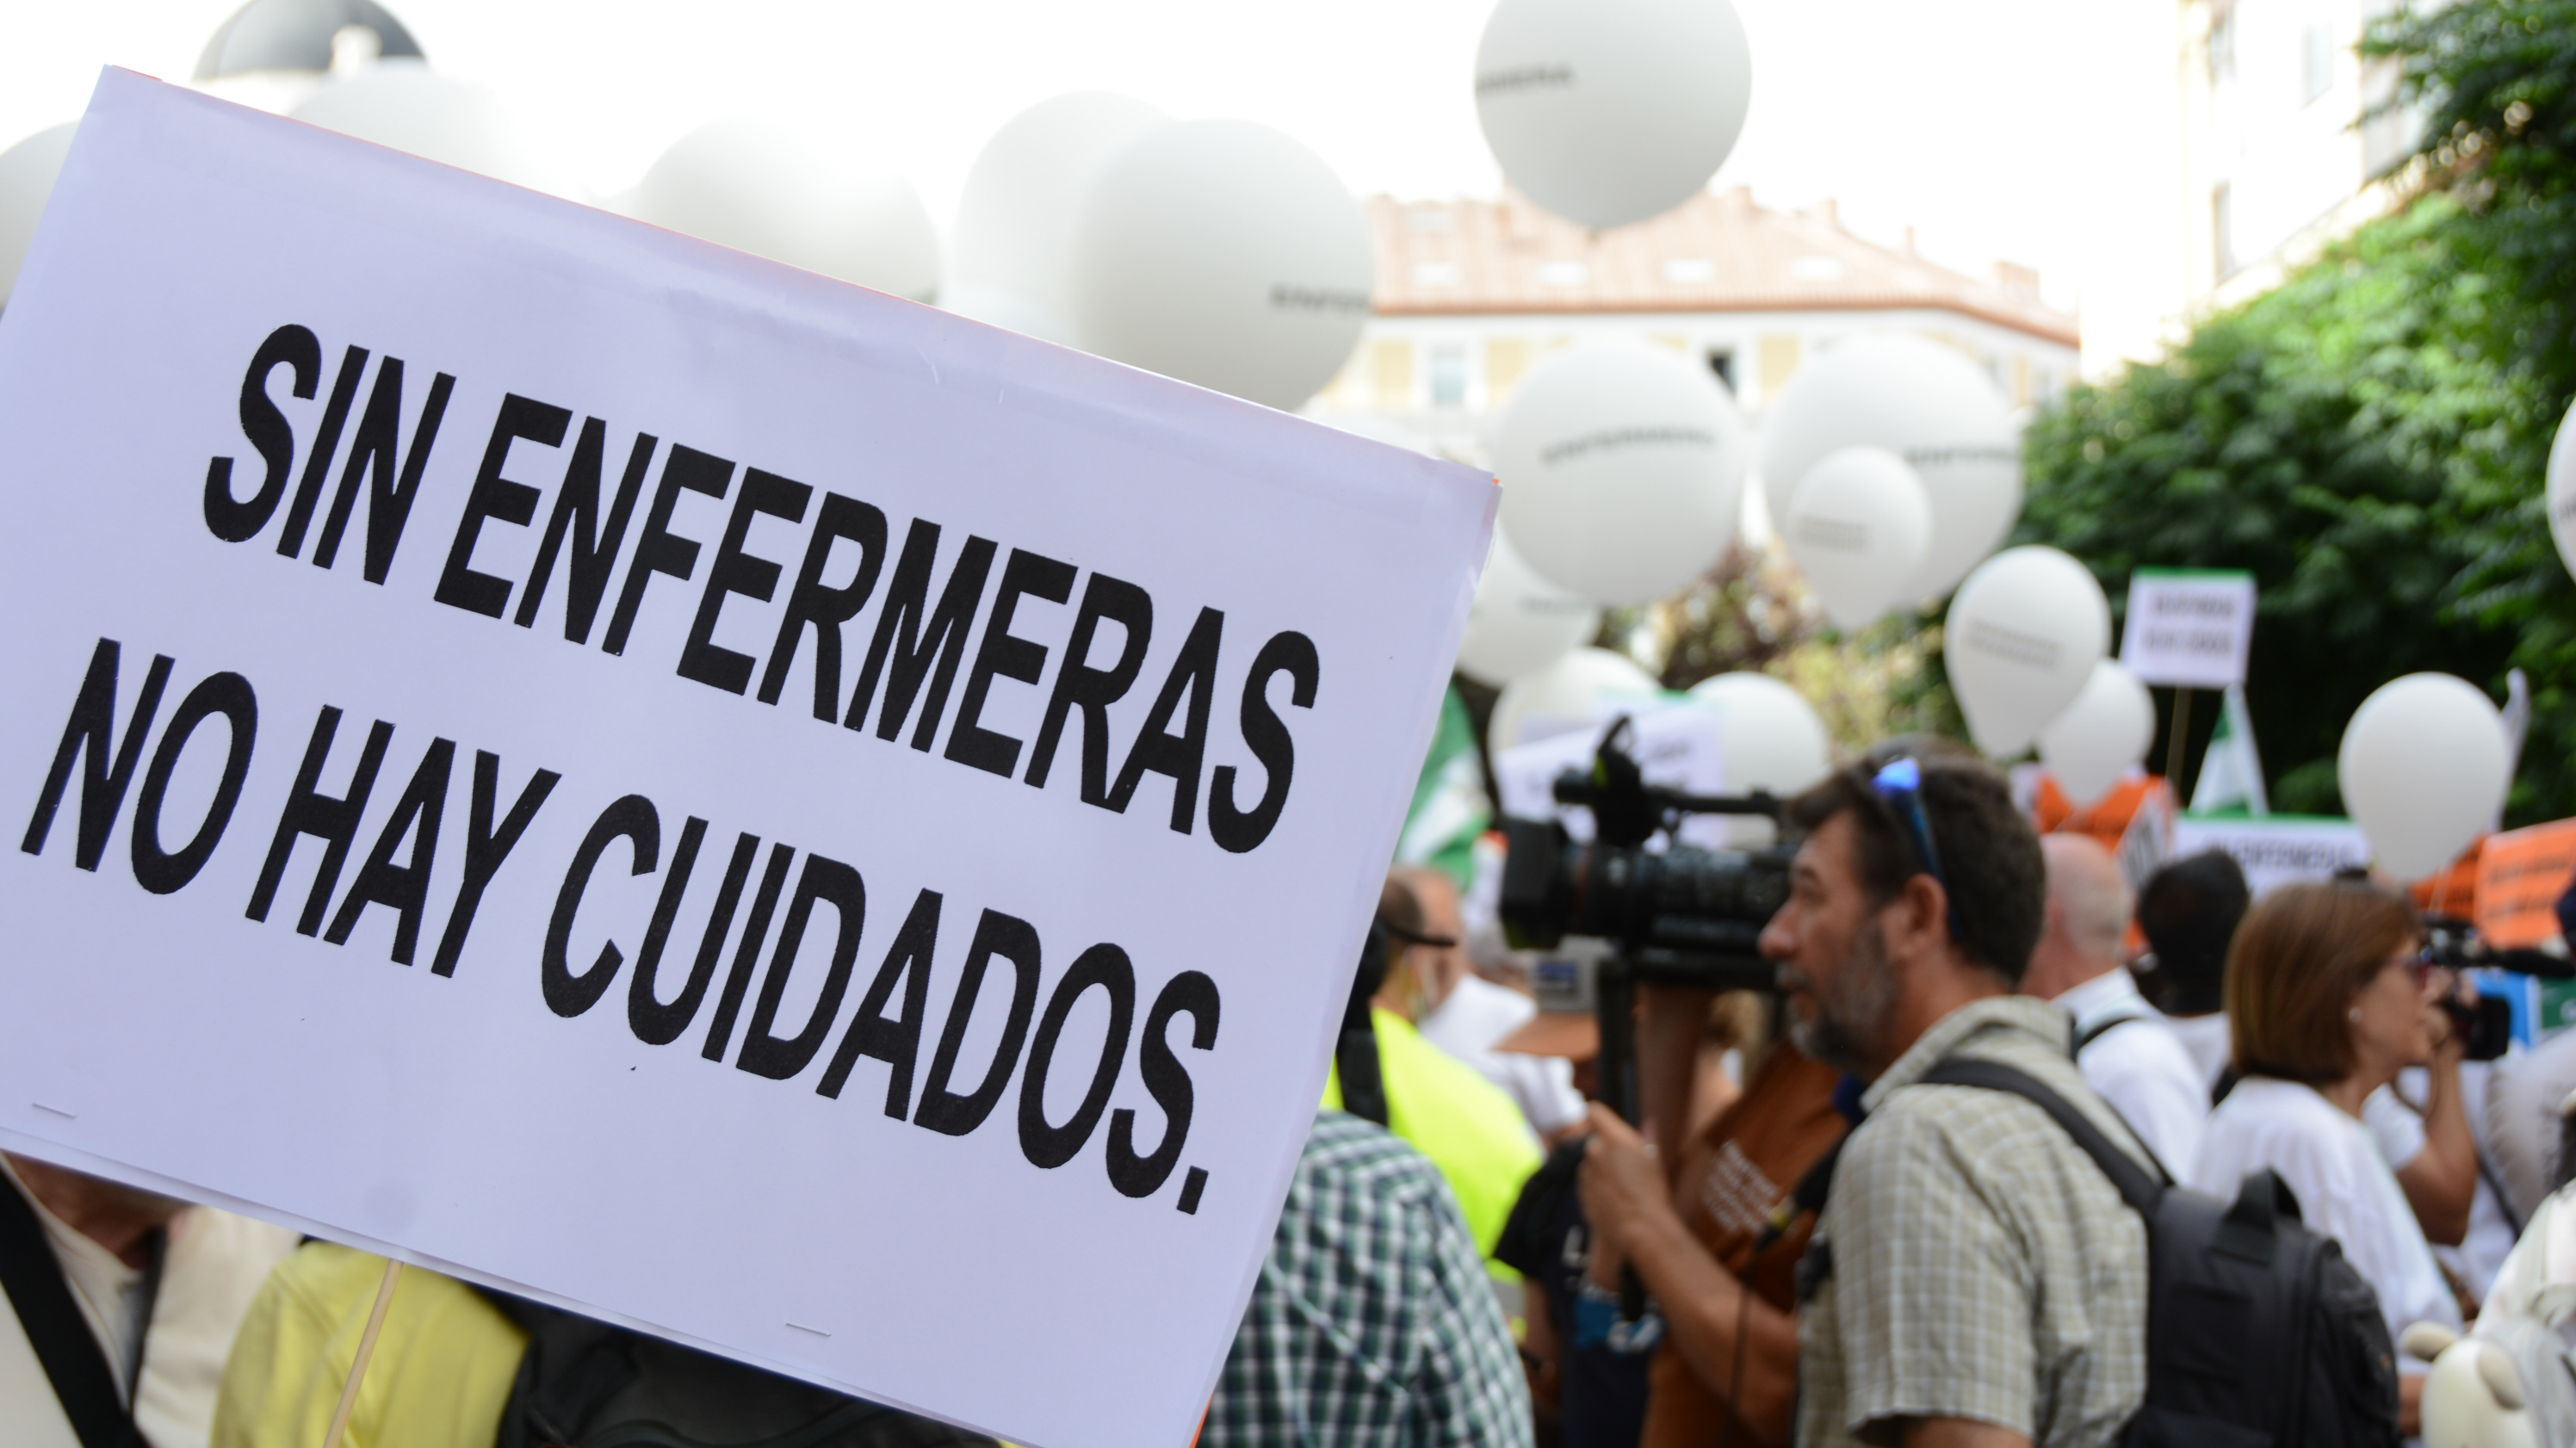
(1981, 1266)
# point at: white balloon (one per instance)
(1859, 525)
(401, 104)
(2021, 640)
(2424, 766)
(2102, 735)
(1006, 310)
(764, 189)
(1930, 406)
(1772, 738)
(1570, 692)
(1611, 111)
(1623, 470)
(1016, 216)
(27, 172)
(1223, 253)
(2562, 486)
(1520, 623)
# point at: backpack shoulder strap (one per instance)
(73, 1361)
(2101, 1028)
(2137, 1186)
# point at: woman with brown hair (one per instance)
(2329, 997)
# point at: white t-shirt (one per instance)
(2142, 1069)
(2399, 1131)
(2210, 1042)
(2344, 1187)
(1476, 1015)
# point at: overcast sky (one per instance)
(2019, 129)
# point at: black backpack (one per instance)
(2259, 1333)
(587, 1384)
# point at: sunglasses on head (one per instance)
(1900, 784)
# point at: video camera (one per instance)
(2486, 1025)
(1681, 915)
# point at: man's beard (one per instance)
(1852, 1015)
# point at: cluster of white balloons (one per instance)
(1219, 252)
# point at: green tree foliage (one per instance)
(2369, 438)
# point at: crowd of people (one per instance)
(1910, 1196)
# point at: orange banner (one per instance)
(2521, 874)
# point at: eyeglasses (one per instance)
(1900, 784)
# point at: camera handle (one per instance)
(1614, 989)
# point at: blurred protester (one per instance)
(458, 1367)
(2520, 1126)
(2188, 911)
(124, 1304)
(1975, 1277)
(1465, 1014)
(2425, 1125)
(2328, 998)
(2530, 1316)
(2125, 1048)
(1371, 1325)
(1473, 1132)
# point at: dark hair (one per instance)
(1997, 880)
(2189, 911)
(2299, 959)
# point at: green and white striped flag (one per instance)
(1449, 805)
(2231, 773)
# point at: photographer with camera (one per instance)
(2330, 996)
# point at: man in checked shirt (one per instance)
(1975, 1279)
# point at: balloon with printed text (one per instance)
(1623, 470)
(2562, 489)
(1608, 112)
(1770, 739)
(1224, 254)
(2020, 641)
(1929, 405)
(762, 188)
(2424, 766)
(27, 172)
(2100, 737)
(1573, 693)
(1014, 234)
(1859, 524)
(1520, 623)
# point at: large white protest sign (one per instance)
(2191, 627)
(750, 807)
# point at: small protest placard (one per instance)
(739, 805)
(2189, 627)
(2521, 875)
(1679, 746)
(2276, 850)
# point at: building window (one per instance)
(2316, 54)
(1391, 360)
(1689, 271)
(1564, 273)
(1780, 357)
(1449, 375)
(1436, 274)
(1506, 358)
(1721, 360)
(2222, 225)
(1817, 269)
